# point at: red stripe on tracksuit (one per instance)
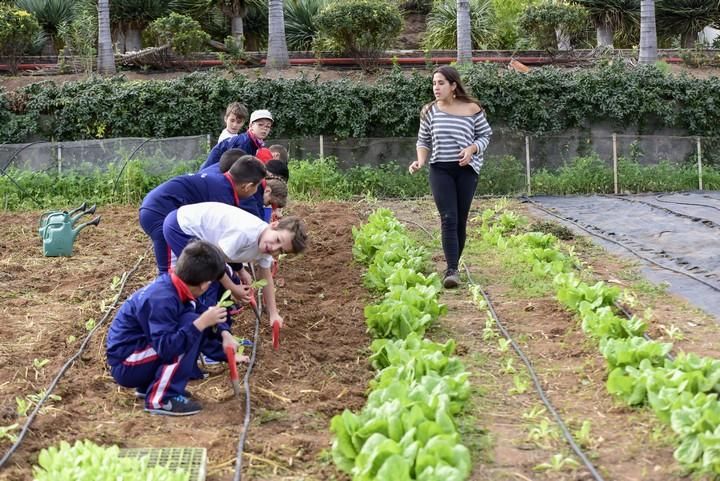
(141, 356)
(160, 387)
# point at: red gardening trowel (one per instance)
(276, 334)
(234, 377)
(275, 324)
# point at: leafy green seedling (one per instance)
(70, 339)
(521, 385)
(225, 300)
(534, 413)
(503, 344)
(673, 332)
(6, 432)
(583, 435)
(115, 284)
(542, 433)
(259, 284)
(477, 297)
(40, 363)
(35, 398)
(558, 463)
(508, 368)
(489, 332)
(23, 406)
(90, 324)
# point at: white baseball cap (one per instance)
(260, 114)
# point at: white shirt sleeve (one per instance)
(225, 135)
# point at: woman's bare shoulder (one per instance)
(473, 108)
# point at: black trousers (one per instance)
(453, 188)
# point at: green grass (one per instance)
(323, 179)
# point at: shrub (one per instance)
(362, 28)
(542, 21)
(543, 101)
(18, 29)
(182, 33)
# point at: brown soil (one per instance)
(317, 372)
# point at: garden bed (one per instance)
(317, 372)
(322, 367)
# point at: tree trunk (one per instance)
(277, 56)
(133, 40)
(563, 40)
(464, 40)
(106, 58)
(648, 35)
(605, 35)
(689, 39)
(119, 40)
(237, 31)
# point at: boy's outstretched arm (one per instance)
(240, 292)
(269, 296)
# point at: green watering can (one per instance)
(64, 216)
(58, 231)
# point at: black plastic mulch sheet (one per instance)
(678, 230)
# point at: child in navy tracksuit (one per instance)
(253, 139)
(239, 182)
(154, 340)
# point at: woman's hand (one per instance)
(415, 166)
(466, 154)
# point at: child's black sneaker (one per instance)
(177, 406)
(452, 279)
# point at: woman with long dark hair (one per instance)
(454, 133)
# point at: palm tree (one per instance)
(300, 28)
(648, 35)
(277, 56)
(464, 40)
(609, 16)
(131, 17)
(442, 24)
(686, 18)
(106, 59)
(50, 15)
(236, 10)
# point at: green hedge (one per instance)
(546, 100)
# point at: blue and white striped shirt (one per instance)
(445, 135)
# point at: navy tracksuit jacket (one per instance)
(173, 194)
(152, 344)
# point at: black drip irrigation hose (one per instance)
(67, 366)
(659, 199)
(7, 164)
(117, 179)
(693, 218)
(538, 387)
(620, 244)
(246, 383)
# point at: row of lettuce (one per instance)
(407, 429)
(683, 392)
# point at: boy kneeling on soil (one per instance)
(242, 237)
(155, 339)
